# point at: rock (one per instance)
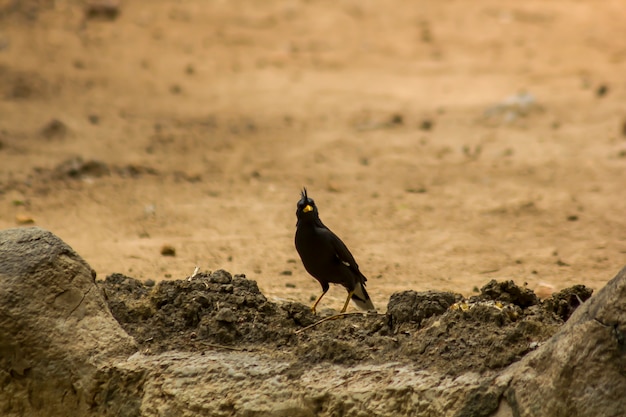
(513, 108)
(78, 169)
(54, 129)
(602, 90)
(396, 119)
(55, 327)
(580, 370)
(243, 384)
(102, 9)
(24, 219)
(427, 124)
(168, 250)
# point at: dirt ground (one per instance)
(429, 330)
(447, 143)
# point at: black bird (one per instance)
(326, 257)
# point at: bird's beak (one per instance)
(307, 208)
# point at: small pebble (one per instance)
(396, 119)
(168, 250)
(54, 129)
(426, 124)
(176, 89)
(602, 90)
(102, 9)
(24, 219)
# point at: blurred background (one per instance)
(447, 143)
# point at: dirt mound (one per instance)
(212, 308)
(508, 292)
(566, 301)
(428, 329)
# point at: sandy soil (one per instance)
(446, 143)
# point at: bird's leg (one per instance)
(318, 300)
(345, 306)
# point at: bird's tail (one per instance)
(362, 299)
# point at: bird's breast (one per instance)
(314, 247)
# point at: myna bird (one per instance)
(326, 257)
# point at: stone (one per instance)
(580, 370)
(55, 326)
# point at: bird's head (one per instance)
(306, 206)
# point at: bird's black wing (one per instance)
(343, 253)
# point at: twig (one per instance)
(195, 272)
(580, 302)
(333, 317)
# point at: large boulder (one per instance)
(56, 330)
(581, 370)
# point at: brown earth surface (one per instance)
(447, 143)
(215, 345)
(439, 331)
